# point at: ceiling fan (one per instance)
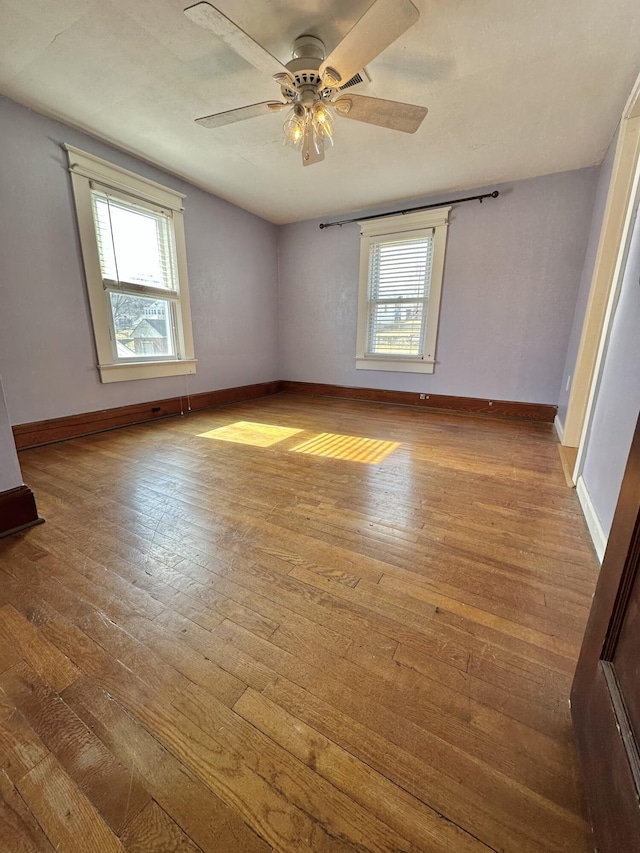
(312, 84)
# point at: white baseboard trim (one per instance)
(559, 428)
(593, 522)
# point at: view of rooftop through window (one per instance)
(142, 325)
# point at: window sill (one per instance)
(396, 364)
(146, 370)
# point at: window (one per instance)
(401, 267)
(132, 238)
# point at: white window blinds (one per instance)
(399, 280)
(135, 245)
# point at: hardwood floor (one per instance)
(295, 624)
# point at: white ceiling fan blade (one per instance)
(242, 113)
(210, 18)
(391, 114)
(380, 26)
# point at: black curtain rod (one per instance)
(479, 198)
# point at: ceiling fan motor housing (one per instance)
(308, 55)
(308, 47)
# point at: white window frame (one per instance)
(411, 224)
(86, 169)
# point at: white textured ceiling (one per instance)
(515, 88)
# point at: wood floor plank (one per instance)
(55, 668)
(107, 785)
(102, 570)
(43, 596)
(284, 651)
(483, 638)
(238, 782)
(197, 667)
(340, 816)
(427, 829)
(334, 606)
(296, 608)
(485, 804)
(68, 819)
(19, 830)
(532, 695)
(200, 814)
(447, 717)
(477, 773)
(506, 626)
(9, 654)
(225, 655)
(153, 829)
(20, 747)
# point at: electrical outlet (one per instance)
(423, 396)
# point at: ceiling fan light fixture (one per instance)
(323, 120)
(310, 83)
(294, 130)
(309, 128)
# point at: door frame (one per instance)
(605, 282)
(614, 296)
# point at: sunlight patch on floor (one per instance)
(349, 447)
(249, 432)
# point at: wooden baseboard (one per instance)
(18, 510)
(502, 408)
(73, 426)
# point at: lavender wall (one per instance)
(618, 401)
(46, 343)
(10, 475)
(512, 274)
(602, 191)
(511, 281)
